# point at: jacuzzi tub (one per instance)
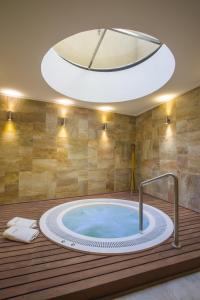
(105, 226)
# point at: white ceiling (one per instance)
(28, 28)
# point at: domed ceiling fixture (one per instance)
(108, 65)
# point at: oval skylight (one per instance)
(108, 65)
(107, 49)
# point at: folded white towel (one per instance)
(18, 221)
(21, 234)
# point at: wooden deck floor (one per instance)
(43, 270)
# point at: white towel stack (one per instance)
(21, 229)
(22, 222)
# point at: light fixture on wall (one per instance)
(167, 120)
(62, 122)
(105, 126)
(9, 116)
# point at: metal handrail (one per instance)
(175, 243)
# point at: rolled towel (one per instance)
(22, 222)
(21, 234)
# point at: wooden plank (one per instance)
(58, 250)
(53, 280)
(107, 284)
(9, 266)
(41, 260)
(43, 270)
(94, 262)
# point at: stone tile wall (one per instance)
(174, 148)
(40, 159)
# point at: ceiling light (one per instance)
(105, 108)
(165, 98)
(11, 93)
(64, 101)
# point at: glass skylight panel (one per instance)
(107, 49)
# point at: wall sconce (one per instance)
(167, 120)
(9, 116)
(105, 126)
(62, 122)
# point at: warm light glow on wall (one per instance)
(9, 131)
(169, 106)
(63, 112)
(104, 119)
(106, 108)
(104, 138)
(12, 97)
(62, 132)
(62, 109)
(169, 131)
(165, 98)
(11, 93)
